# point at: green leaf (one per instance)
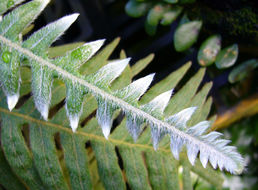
(129, 105)
(227, 57)
(185, 94)
(141, 64)
(150, 29)
(52, 128)
(187, 184)
(171, 15)
(186, 35)
(187, 1)
(242, 71)
(76, 161)
(11, 26)
(161, 169)
(100, 60)
(171, 1)
(40, 41)
(28, 29)
(155, 15)
(18, 155)
(134, 168)
(209, 50)
(45, 157)
(136, 9)
(5, 5)
(63, 49)
(109, 170)
(7, 178)
(16, 21)
(168, 83)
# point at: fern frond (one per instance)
(67, 67)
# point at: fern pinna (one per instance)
(108, 87)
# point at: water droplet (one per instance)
(10, 3)
(6, 56)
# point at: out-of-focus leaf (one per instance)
(242, 70)
(227, 57)
(150, 29)
(171, 1)
(187, 1)
(171, 15)
(184, 20)
(245, 108)
(136, 9)
(186, 35)
(155, 14)
(209, 50)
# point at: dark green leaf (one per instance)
(243, 70)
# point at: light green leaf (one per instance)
(7, 178)
(186, 35)
(63, 49)
(227, 57)
(155, 14)
(141, 64)
(16, 21)
(209, 50)
(171, 15)
(11, 26)
(5, 5)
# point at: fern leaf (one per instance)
(180, 119)
(75, 93)
(127, 98)
(131, 94)
(38, 43)
(8, 178)
(135, 90)
(156, 108)
(11, 26)
(5, 5)
(91, 133)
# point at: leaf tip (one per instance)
(44, 111)
(70, 18)
(169, 93)
(121, 63)
(106, 131)
(96, 45)
(43, 3)
(74, 120)
(155, 146)
(146, 80)
(12, 101)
